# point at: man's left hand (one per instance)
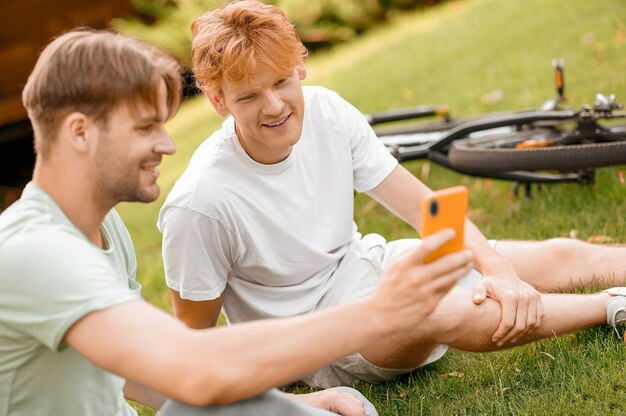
(522, 310)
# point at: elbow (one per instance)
(208, 375)
(220, 386)
(206, 392)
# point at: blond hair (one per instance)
(241, 39)
(92, 72)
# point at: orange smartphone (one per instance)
(445, 208)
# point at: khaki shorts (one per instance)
(356, 276)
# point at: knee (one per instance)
(457, 321)
(564, 249)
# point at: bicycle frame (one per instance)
(435, 143)
(437, 150)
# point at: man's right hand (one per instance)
(410, 289)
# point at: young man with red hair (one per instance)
(75, 335)
(261, 222)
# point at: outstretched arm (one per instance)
(521, 303)
(226, 364)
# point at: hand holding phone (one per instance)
(445, 208)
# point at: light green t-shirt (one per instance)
(51, 275)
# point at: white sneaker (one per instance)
(616, 307)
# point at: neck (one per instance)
(263, 155)
(75, 194)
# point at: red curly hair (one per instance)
(241, 39)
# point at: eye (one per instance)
(246, 98)
(146, 128)
(281, 81)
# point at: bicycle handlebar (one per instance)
(407, 113)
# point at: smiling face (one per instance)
(129, 150)
(268, 110)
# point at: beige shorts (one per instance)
(356, 276)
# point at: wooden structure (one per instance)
(26, 26)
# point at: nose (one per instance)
(272, 104)
(165, 145)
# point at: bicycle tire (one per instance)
(499, 154)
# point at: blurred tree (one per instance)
(321, 23)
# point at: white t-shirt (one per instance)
(270, 236)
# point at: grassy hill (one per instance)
(456, 54)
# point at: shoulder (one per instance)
(205, 192)
(316, 95)
(327, 110)
(55, 244)
(31, 224)
(39, 247)
(328, 104)
(207, 176)
(51, 256)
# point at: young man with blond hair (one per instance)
(75, 335)
(261, 222)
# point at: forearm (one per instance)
(257, 356)
(402, 194)
(487, 260)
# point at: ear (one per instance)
(218, 103)
(78, 129)
(301, 69)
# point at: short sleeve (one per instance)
(371, 161)
(51, 280)
(123, 241)
(198, 253)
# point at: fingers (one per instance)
(346, 404)
(446, 281)
(531, 318)
(521, 317)
(412, 288)
(423, 275)
(539, 310)
(430, 244)
(447, 263)
(534, 312)
(522, 313)
(435, 279)
(333, 400)
(437, 287)
(479, 294)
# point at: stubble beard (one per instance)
(118, 183)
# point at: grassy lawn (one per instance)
(456, 54)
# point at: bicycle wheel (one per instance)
(539, 149)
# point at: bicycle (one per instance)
(522, 146)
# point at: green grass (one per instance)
(455, 54)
